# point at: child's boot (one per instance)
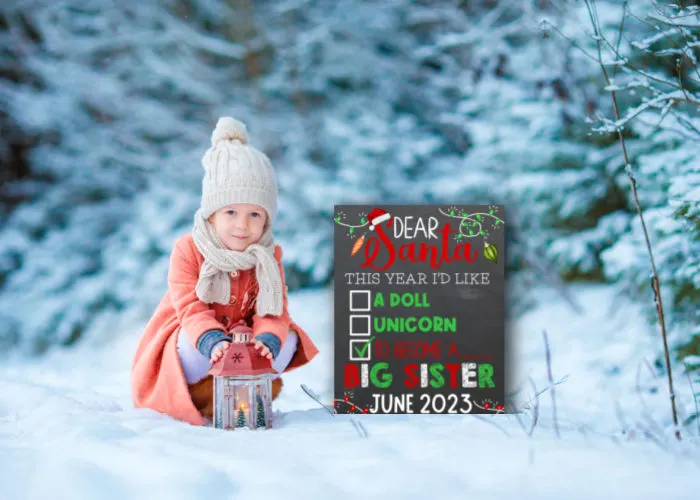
(276, 387)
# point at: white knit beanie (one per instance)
(235, 172)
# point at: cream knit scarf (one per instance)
(214, 283)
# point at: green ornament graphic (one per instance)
(491, 252)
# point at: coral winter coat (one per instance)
(157, 379)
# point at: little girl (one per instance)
(225, 283)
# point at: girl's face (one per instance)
(239, 225)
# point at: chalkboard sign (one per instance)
(419, 309)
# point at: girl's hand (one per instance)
(219, 350)
(264, 351)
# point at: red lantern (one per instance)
(242, 388)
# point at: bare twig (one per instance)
(670, 97)
(672, 22)
(620, 32)
(537, 395)
(573, 42)
(535, 410)
(678, 131)
(621, 62)
(691, 12)
(633, 184)
(650, 368)
(359, 428)
(620, 58)
(684, 121)
(665, 33)
(551, 381)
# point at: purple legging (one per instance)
(196, 365)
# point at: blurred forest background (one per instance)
(107, 107)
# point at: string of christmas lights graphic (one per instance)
(472, 223)
(352, 407)
(491, 406)
(351, 231)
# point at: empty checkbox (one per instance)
(359, 325)
(359, 300)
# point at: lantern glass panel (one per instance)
(243, 402)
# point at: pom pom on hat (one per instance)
(236, 172)
(229, 129)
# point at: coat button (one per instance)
(233, 300)
(234, 274)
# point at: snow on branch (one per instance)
(663, 101)
(673, 21)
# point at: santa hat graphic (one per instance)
(377, 216)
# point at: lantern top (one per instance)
(241, 359)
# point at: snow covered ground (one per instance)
(68, 429)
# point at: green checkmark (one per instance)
(362, 350)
